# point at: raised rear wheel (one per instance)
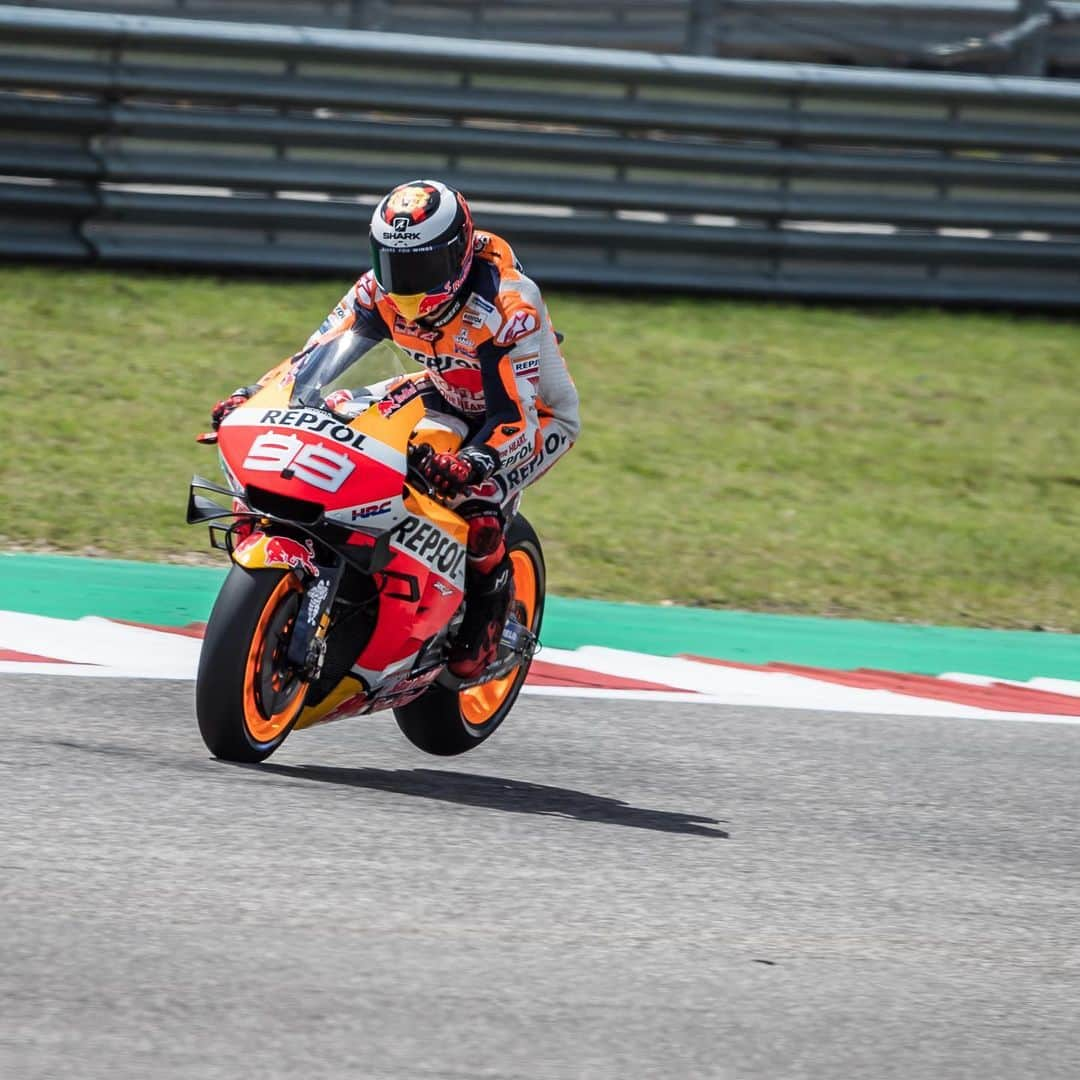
(448, 722)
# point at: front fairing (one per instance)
(311, 456)
(286, 443)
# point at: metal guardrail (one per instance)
(185, 143)
(977, 35)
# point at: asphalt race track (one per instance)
(606, 889)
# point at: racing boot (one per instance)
(487, 602)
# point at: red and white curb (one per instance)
(96, 647)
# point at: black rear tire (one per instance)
(236, 714)
(436, 722)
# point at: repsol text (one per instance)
(430, 546)
(318, 423)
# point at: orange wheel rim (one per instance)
(264, 728)
(480, 703)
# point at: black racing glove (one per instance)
(226, 405)
(450, 474)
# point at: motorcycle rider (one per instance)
(457, 300)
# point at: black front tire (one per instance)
(243, 715)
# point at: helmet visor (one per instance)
(416, 270)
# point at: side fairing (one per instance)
(424, 585)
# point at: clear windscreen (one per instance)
(350, 361)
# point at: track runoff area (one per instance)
(659, 867)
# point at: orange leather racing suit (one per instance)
(493, 366)
(494, 372)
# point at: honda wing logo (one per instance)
(289, 455)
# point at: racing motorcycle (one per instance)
(347, 581)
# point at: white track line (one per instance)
(102, 648)
(773, 689)
(125, 651)
(1068, 687)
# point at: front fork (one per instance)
(307, 643)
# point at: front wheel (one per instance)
(447, 722)
(247, 697)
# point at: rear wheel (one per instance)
(247, 696)
(448, 722)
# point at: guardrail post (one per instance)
(701, 27)
(362, 14)
(1029, 57)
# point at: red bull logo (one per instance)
(260, 550)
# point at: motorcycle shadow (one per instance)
(500, 793)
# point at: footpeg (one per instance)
(516, 647)
(518, 639)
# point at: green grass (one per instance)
(897, 464)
